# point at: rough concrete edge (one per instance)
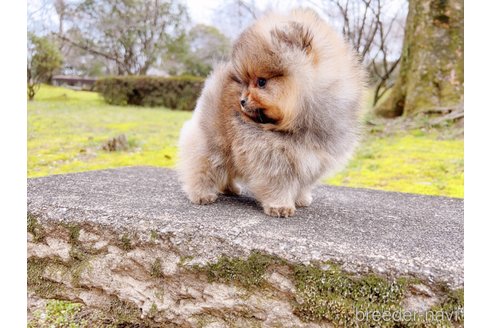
(180, 243)
(357, 265)
(141, 237)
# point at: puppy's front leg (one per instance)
(201, 193)
(199, 182)
(277, 201)
(304, 198)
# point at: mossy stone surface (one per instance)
(331, 295)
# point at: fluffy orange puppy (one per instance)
(275, 119)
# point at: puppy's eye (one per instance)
(261, 82)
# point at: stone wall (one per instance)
(127, 245)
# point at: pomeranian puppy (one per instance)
(275, 119)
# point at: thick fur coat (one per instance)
(279, 116)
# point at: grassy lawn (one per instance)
(409, 162)
(67, 128)
(58, 314)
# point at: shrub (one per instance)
(179, 93)
(43, 58)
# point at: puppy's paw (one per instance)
(279, 211)
(203, 199)
(304, 200)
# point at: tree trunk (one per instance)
(432, 68)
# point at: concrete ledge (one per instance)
(102, 236)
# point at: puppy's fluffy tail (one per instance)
(189, 148)
(194, 161)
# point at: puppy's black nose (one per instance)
(243, 102)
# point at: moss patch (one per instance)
(126, 243)
(79, 256)
(127, 314)
(183, 260)
(341, 298)
(153, 235)
(43, 287)
(119, 314)
(451, 309)
(156, 269)
(59, 314)
(80, 262)
(335, 296)
(36, 267)
(247, 273)
(74, 233)
(35, 228)
(123, 312)
(153, 311)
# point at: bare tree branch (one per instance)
(248, 8)
(87, 48)
(130, 34)
(370, 27)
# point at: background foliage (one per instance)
(43, 59)
(178, 93)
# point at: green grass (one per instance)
(412, 162)
(58, 314)
(66, 130)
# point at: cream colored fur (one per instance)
(320, 89)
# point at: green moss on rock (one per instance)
(36, 281)
(247, 273)
(183, 260)
(35, 229)
(451, 309)
(332, 295)
(153, 235)
(73, 233)
(156, 269)
(59, 314)
(153, 311)
(123, 312)
(127, 314)
(336, 296)
(126, 243)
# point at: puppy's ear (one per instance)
(293, 35)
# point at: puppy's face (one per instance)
(262, 62)
(266, 95)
